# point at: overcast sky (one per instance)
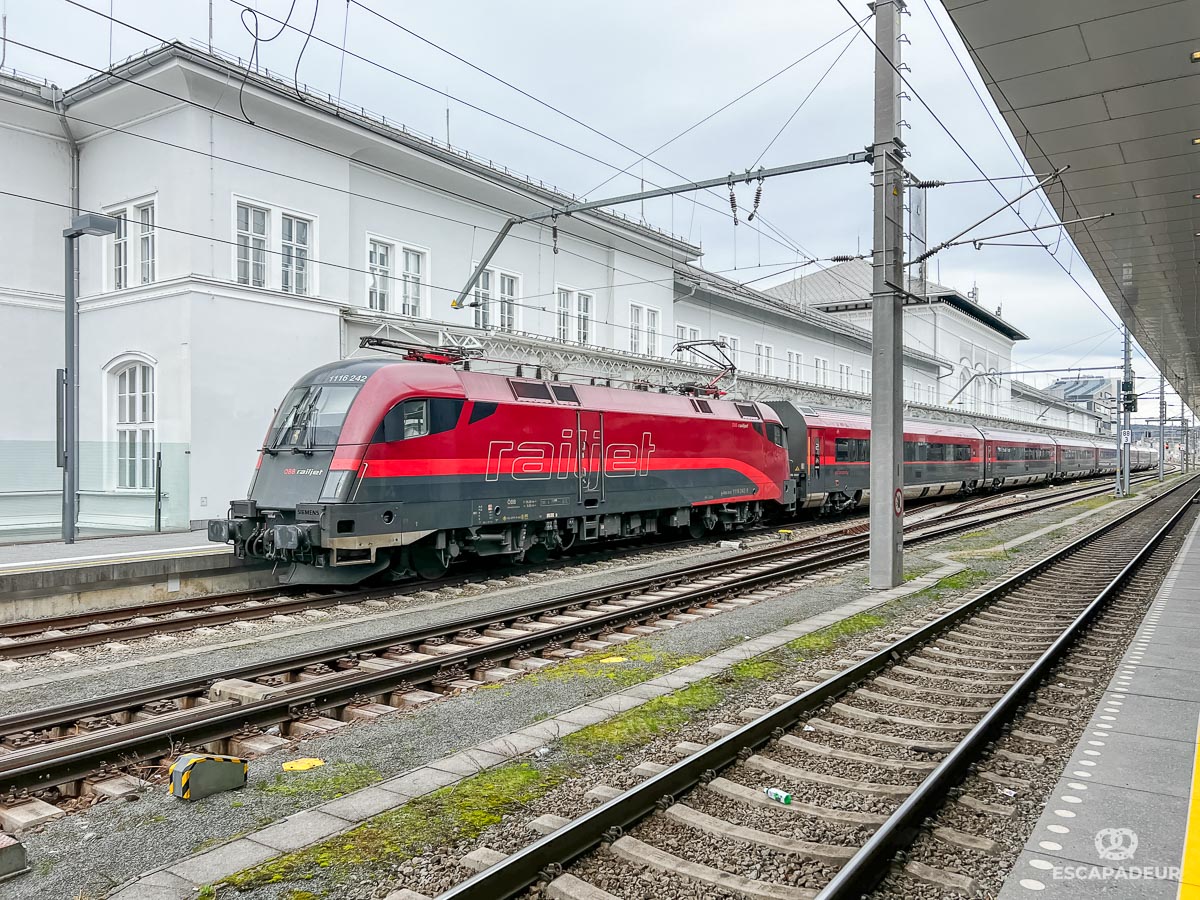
(641, 73)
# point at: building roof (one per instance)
(847, 285)
(233, 69)
(1083, 389)
(762, 300)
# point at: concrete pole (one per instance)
(70, 400)
(1127, 423)
(1162, 424)
(887, 347)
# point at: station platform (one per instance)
(1124, 820)
(53, 578)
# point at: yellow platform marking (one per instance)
(1189, 887)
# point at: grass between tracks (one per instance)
(464, 810)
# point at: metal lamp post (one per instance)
(68, 416)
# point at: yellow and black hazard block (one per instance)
(198, 775)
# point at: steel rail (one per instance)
(870, 864)
(270, 602)
(544, 858)
(798, 560)
(70, 759)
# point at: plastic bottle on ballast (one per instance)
(780, 796)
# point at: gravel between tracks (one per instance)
(90, 852)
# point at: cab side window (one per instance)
(416, 418)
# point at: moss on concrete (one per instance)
(455, 813)
(757, 668)
(827, 638)
(621, 665)
(325, 783)
(636, 726)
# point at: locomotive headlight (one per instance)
(337, 485)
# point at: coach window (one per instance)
(775, 434)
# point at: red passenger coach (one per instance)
(379, 464)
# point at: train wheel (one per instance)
(429, 562)
(537, 554)
(696, 529)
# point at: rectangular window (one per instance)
(146, 241)
(295, 235)
(685, 333)
(843, 377)
(864, 382)
(379, 263)
(251, 245)
(583, 318)
(762, 359)
(643, 329)
(508, 303)
(563, 317)
(414, 267)
(733, 347)
(821, 371)
(483, 300)
(120, 251)
(795, 364)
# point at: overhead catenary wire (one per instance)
(1066, 190)
(314, 261)
(807, 97)
(600, 225)
(782, 239)
(640, 156)
(790, 245)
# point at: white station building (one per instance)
(253, 248)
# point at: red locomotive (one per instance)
(380, 464)
(375, 464)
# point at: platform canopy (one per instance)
(1111, 88)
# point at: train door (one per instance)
(589, 431)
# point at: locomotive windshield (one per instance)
(311, 416)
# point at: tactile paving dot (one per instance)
(1077, 787)
(1070, 799)
(1058, 829)
(1096, 743)
(1082, 774)
(1032, 884)
(1043, 864)
(1049, 845)
(1064, 814)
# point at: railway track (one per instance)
(40, 637)
(64, 749)
(873, 750)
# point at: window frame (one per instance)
(687, 335)
(795, 364)
(495, 315)
(273, 245)
(299, 266)
(131, 421)
(131, 244)
(733, 346)
(820, 371)
(389, 291)
(642, 332)
(763, 359)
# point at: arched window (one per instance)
(134, 389)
